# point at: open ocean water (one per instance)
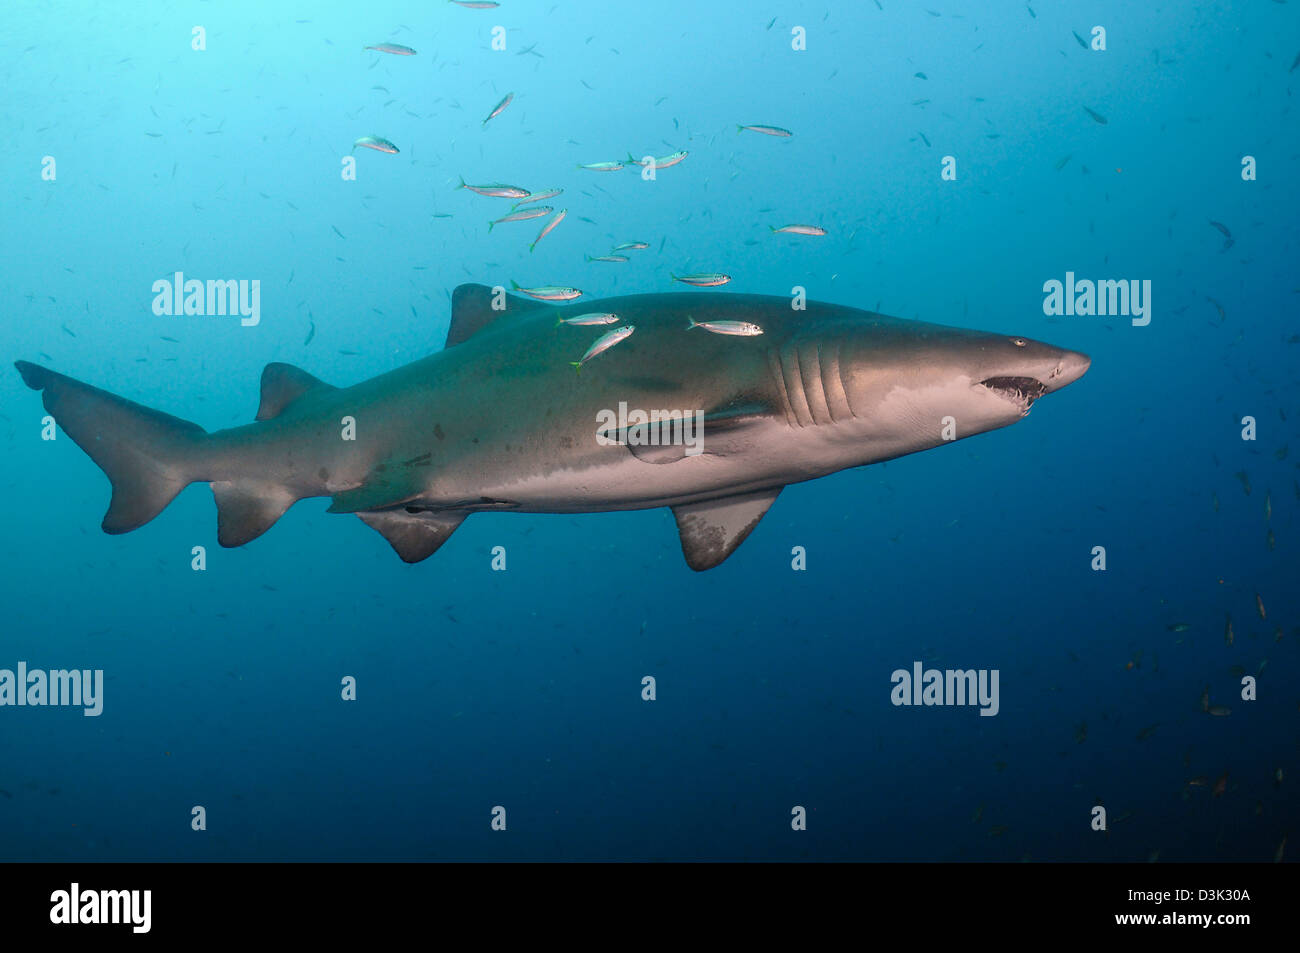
(959, 157)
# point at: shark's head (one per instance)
(912, 385)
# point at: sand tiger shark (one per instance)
(500, 420)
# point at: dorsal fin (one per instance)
(712, 530)
(471, 311)
(282, 384)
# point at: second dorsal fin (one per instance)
(282, 384)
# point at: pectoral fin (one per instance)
(712, 530)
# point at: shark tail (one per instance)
(147, 455)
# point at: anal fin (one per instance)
(413, 536)
(711, 531)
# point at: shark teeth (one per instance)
(1022, 390)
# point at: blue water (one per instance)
(523, 688)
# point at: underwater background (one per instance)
(522, 688)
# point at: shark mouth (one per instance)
(1020, 390)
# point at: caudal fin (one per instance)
(148, 456)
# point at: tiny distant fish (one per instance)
(1221, 227)
(549, 227)
(1178, 627)
(496, 191)
(604, 343)
(588, 320)
(736, 328)
(601, 166)
(395, 48)
(1199, 781)
(522, 215)
(919, 102)
(923, 138)
(1268, 506)
(1294, 63)
(549, 292)
(1227, 629)
(539, 196)
(1271, 541)
(1281, 848)
(1245, 480)
(708, 280)
(378, 143)
(166, 338)
(766, 130)
(476, 4)
(1205, 698)
(614, 259)
(1082, 41)
(1259, 604)
(771, 22)
(798, 230)
(1060, 163)
(1219, 711)
(1147, 732)
(499, 107)
(1031, 11)
(920, 76)
(1221, 784)
(338, 233)
(1214, 500)
(1097, 117)
(630, 246)
(310, 334)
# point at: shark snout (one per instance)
(1070, 366)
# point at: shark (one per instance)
(499, 420)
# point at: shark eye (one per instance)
(1019, 342)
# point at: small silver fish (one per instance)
(707, 280)
(601, 166)
(540, 196)
(610, 258)
(549, 292)
(496, 191)
(660, 163)
(378, 143)
(499, 107)
(766, 130)
(559, 217)
(604, 343)
(589, 320)
(799, 230)
(630, 246)
(394, 48)
(522, 215)
(737, 328)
